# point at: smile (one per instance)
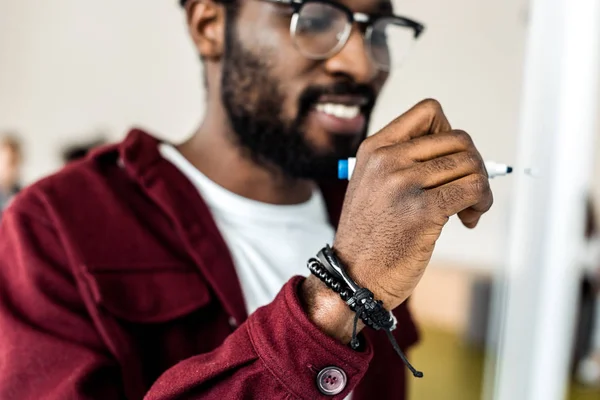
(342, 111)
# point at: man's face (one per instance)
(296, 115)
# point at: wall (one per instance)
(69, 68)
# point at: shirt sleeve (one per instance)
(50, 347)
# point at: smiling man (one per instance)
(176, 271)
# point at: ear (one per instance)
(206, 24)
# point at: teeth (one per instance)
(339, 110)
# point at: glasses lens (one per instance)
(319, 29)
(390, 43)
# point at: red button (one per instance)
(331, 381)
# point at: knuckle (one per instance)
(473, 159)
(480, 185)
(397, 181)
(366, 147)
(379, 158)
(406, 188)
(441, 164)
(483, 191)
(490, 202)
(463, 138)
(432, 105)
(447, 196)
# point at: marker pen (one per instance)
(494, 169)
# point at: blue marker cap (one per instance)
(343, 169)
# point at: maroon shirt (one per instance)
(115, 283)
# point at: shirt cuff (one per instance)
(296, 351)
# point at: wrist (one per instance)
(327, 310)
(368, 280)
(332, 314)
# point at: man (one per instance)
(10, 163)
(168, 272)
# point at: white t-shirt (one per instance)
(269, 243)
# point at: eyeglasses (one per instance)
(321, 28)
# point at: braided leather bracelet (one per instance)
(361, 301)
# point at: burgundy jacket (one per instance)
(116, 284)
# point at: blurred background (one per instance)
(77, 74)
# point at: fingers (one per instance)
(443, 170)
(425, 118)
(426, 148)
(433, 160)
(419, 154)
(470, 196)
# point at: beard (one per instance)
(253, 99)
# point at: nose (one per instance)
(353, 60)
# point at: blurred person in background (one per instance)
(78, 151)
(10, 168)
(588, 368)
(178, 271)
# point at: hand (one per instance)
(410, 178)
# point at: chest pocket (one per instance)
(155, 316)
(150, 294)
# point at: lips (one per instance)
(341, 114)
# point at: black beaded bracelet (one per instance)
(317, 269)
(361, 301)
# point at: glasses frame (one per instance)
(369, 20)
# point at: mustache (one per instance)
(311, 95)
